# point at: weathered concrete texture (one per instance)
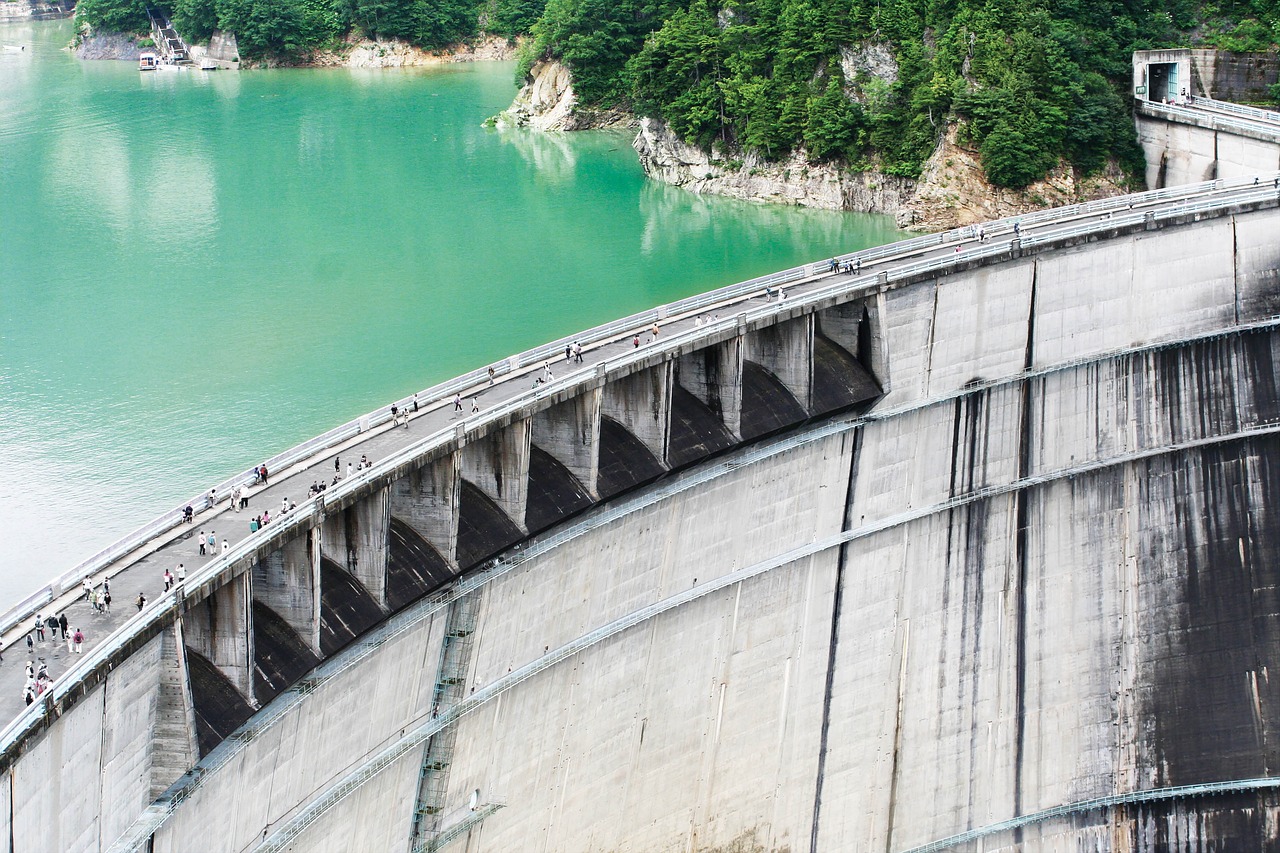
(641, 403)
(714, 375)
(218, 628)
(414, 567)
(1141, 289)
(288, 582)
(355, 539)
(1179, 154)
(347, 609)
(1257, 267)
(57, 785)
(174, 748)
(346, 718)
(703, 726)
(498, 465)
(375, 817)
(570, 432)
(426, 499)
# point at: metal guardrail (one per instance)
(1217, 120)
(1245, 112)
(103, 560)
(1127, 213)
(1180, 792)
(353, 779)
(157, 814)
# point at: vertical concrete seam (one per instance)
(1020, 560)
(1235, 266)
(833, 643)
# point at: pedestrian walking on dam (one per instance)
(62, 623)
(70, 643)
(31, 646)
(168, 580)
(52, 622)
(106, 601)
(78, 637)
(213, 543)
(415, 404)
(142, 602)
(182, 573)
(350, 469)
(226, 546)
(457, 402)
(577, 352)
(203, 542)
(492, 375)
(39, 628)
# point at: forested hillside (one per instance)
(1029, 82)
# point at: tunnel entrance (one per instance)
(1162, 82)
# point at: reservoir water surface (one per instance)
(200, 270)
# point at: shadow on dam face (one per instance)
(279, 656)
(767, 405)
(414, 567)
(347, 609)
(219, 707)
(839, 380)
(696, 431)
(554, 493)
(483, 528)
(624, 460)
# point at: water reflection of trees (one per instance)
(550, 154)
(752, 224)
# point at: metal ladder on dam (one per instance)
(450, 688)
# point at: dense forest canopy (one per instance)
(868, 83)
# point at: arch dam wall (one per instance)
(979, 544)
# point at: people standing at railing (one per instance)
(188, 514)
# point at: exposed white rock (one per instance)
(547, 102)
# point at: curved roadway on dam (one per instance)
(1081, 345)
(165, 544)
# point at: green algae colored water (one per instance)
(200, 270)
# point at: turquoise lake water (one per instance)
(200, 270)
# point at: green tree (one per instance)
(121, 16)
(195, 19)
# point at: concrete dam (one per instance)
(964, 545)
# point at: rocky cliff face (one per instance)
(107, 46)
(547, 102)
(951, 191)
(791, 181)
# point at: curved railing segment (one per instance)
(1119, 212)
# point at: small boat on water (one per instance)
(147, 62)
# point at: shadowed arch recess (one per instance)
(767, 405)
(280, 657)
(696, 431)
(219, 707)
(624, 460)
(483, 528)
(347, 609)
(554, 493)
(414, 566)
(839, 380)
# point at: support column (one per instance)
(570, 433)
(641, 402)
(357, 539)
(221, 629)
(175, 749)
(288, 581)
(427, 500)
(498, 465)
(786, 351)
(714, 376)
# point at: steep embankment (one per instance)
(361, 52)
(952, 189)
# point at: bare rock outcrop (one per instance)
(794, 180)
(360, 52)
(547, 102)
